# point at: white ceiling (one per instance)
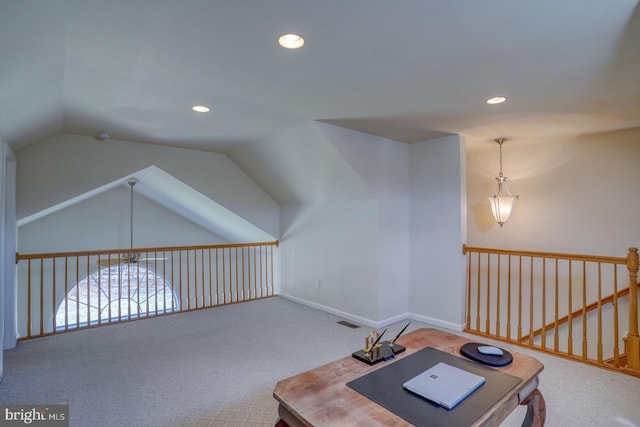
(408, 70)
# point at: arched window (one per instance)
(118, 292)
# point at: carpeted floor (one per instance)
(218, 367)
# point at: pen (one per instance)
(400, 333)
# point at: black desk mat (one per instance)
(384, 387)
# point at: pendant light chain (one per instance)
(501, 158)
(500, 141)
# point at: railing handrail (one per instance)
(593, 306)
(541, 254)
(101, 287)
(541, 294)
(20, 256)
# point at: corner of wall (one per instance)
(8, 334)
(436, 212)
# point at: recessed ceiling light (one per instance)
(496, 100)
(290, 41)
(201, 108)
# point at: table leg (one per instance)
(286, 419)
(536, 410)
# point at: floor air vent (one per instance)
(348, 324)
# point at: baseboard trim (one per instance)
(376, 324)
(437, 322)
(347, 316)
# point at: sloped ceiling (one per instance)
(301, 166)
(406, 70)
(178, 197)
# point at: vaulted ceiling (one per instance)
(408, 70)
(173, 194)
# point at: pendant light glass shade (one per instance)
(502, 202)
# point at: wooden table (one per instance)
(320, 397)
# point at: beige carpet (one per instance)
(218, 367)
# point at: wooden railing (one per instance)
(65, 291)
(580, 307)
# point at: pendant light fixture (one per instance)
(502, 202)
(134, 257)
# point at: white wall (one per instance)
(344, 217)
(383, 166)
(103, 222)
(576, 195)
(7, 250)
(359, 235)
(64, 166)
(437, 230)
(335, 244)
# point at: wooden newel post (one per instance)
(633, 340)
